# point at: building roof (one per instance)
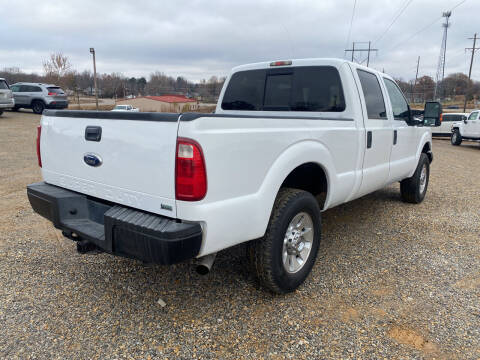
(171, 98)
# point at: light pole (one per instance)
(92, 51)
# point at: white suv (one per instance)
(6, 97)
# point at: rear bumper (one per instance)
(57, 105)
(7, 104)
(116, 229)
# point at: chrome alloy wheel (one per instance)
(297, 243)
(423, 178)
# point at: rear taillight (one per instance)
(190, 171)
(51, 94)
(39, 134)
(441, 118)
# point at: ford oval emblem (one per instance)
(92, 159)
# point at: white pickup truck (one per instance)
(125, 108)
(468, 129)
(288, 140)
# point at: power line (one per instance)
(351, 23)
(399, 13)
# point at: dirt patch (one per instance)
(469, 283)
(413, 339)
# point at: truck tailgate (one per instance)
(132, 163)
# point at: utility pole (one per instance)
(368, 50)
(471, 64)
(443, 51)
(92, 51)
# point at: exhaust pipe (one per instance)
(205, 263)
(85, 247)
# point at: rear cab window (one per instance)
(302, 88)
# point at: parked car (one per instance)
(38, 97)
(6, 97)
(447, 119)
(125, 108)
(469, 129)
(288, 140)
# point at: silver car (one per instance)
(38, 97)
(6, 97)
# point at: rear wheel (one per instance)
(414, 189)
(456, 138)
(15, 108)
(284, 257)
(1, 112)
(38, 107)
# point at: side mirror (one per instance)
(432, 113)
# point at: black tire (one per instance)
(1, 112)
(15, 108)
(411, 189)
(265, 254)
(456, 138)
(38, 107)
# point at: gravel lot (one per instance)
(393, 280)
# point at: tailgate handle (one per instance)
(93, 133)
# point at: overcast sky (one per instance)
(197, 39)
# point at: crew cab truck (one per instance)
(288, 140)
(468, 129)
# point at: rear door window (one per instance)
(309, 88)
(3, 85)
(373, 95)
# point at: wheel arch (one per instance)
(37, 99)
(297, 159)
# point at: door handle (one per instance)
(369, 139)
(395, 135)
(93, 133)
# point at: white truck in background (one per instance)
(125, 107)
(468, 129)
(288, 140)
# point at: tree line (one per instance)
(452, 87)
(59, 71)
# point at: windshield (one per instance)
(3, 85)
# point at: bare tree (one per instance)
(56, 68)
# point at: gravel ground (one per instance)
(392, 280)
